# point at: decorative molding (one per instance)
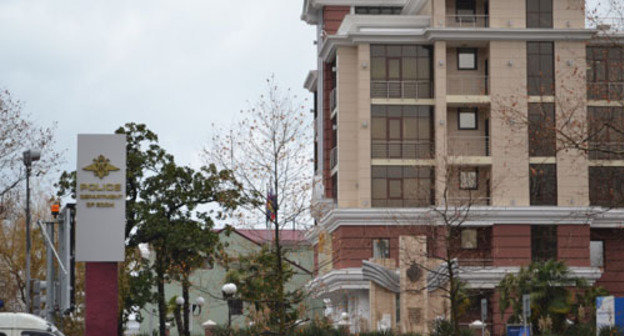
(382, 276)
(476, 277)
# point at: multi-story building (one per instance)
(422, 106)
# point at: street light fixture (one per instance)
(179, 301)
(29, 157)
(228, 290)
(199, 303)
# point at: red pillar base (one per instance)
(101, 295)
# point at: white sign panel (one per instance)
(100, 197)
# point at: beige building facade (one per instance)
(423, 106)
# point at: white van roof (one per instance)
(25, 321)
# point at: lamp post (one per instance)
(199, 303)
(228, 290)
(29, 157)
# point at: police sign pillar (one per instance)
(100, 225)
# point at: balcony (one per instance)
(467, 21)
(402, 149)
(605, 91)
(467, 85)
(333, 158)
(469, 145)
(606, 150)
(332, 100)
(402, 89)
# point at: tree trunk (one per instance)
(185, 294)
(280, 268)
(178, 320)
(160, 283)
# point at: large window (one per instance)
(401, 71)
(542, 140)
(378, 10)
(401, 131)
(539, 13)
(605, 73)
(543, 242)
(606, 186)
(402, 186)
(606, 133)
(543, 184)
(540, 68)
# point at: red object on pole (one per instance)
(101, 295)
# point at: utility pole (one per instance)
(29, 157)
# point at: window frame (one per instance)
(539, 191)
(464, 245)
(542, 245)
(474, 170)
(603, 255)
(540, 15)
(475, 56)
(471, 2)
(387, 248)
(544, 88)
(467, 110)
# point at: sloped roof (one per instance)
(287, 237)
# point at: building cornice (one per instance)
(596, 217)
(473, 276)
(311, 8)
(416, 29)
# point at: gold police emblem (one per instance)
(101, 167)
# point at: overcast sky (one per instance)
(177, 66)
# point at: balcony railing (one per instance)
(333, 158)
(332, 100)
(606, 150)
(605, 91)
(465, 85)
(415, 149)
(469, 145)
(468, 21)
(402, 89)
(469, 200)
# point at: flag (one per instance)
(271, 205)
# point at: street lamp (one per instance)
(29, 157)
(477, 324)
(228, 290)
(199, 302)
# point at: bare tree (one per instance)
(269, 151)
(17, 134)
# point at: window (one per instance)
(543, 184)
(401, 131)
(539, 13)
(605, 73)
(381, 248)
(540, 68)
(467, 119)
(34, 333)
(596, 253)
(467, 59)
(605, 133)
(606, 186)
(469, 239)
(469, 179)
(401, 71)
(402, 186)
(543, 242)
(542, 140)
(378, 10)
(465, 9)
